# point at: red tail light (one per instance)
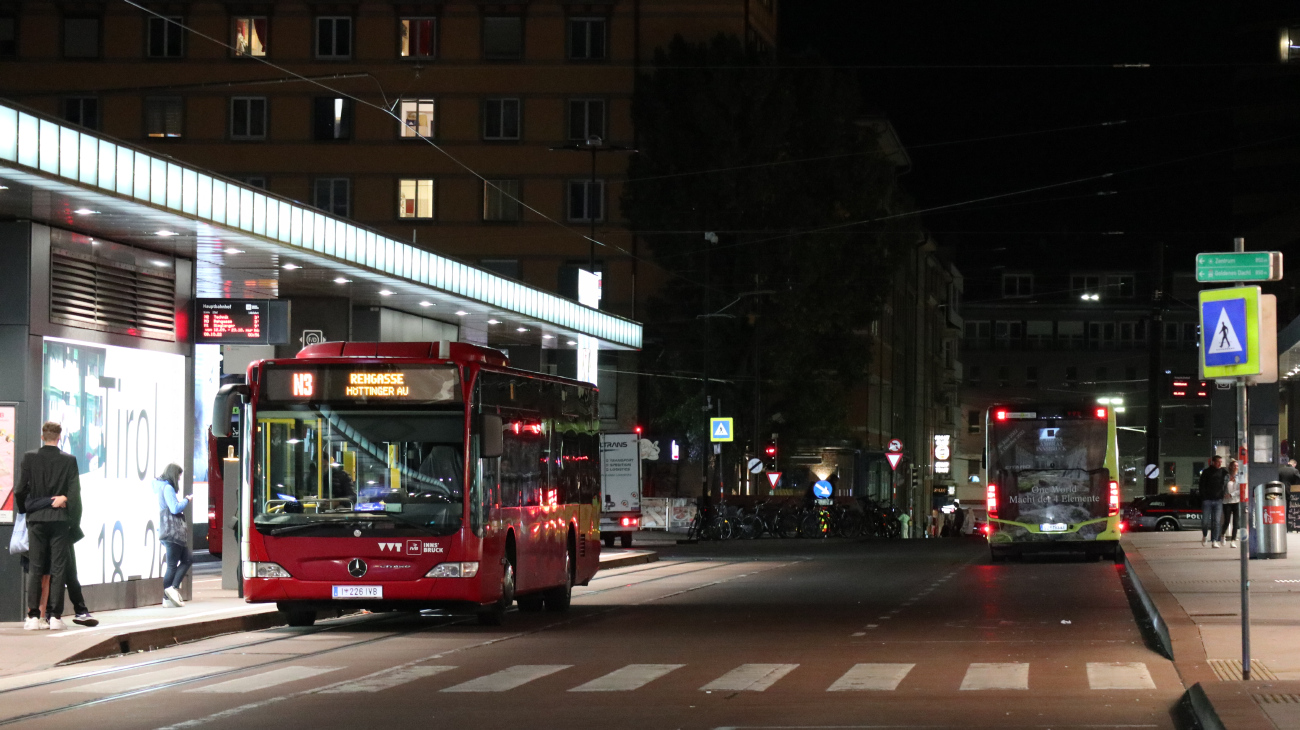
(1121, 526)
(1114, 499)
(988, 530)
(1101, 413)
(1000, 415)
(991, 496)
(629, 521)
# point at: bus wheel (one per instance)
(299, 618)
(557, 599)
(495, 615)
(1168, 524)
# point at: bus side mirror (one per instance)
(224, 404)
(490, 446)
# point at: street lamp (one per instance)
(593, 144)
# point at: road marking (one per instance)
(750, 677)
(858, 633)
(385, 680)
(508, 679)
(996, 676)
(872, 626)
(263, 680)
(633, 676)
(882, 677)
(1119, 675)
(140, 681)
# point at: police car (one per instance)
(1166, 512)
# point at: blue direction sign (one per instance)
(721, 429)
(822, 489)
(1230, 344)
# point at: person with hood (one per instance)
(174, 533)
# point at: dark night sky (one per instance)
(1061, 75)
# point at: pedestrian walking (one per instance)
(1212, 486)
(48, 473)
(1288, 474)
(959, 522)
(1232, 503)
(174, 533)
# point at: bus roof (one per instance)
(444, 350)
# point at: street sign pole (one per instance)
(1243, 413)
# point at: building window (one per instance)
(973, 421)
(331, 194)
(1007, 335)
(8, 37)
(973, 375)
(586, 119)
(1085, 283)
(417, 118)
(1103, 376)
(504, 267)
(586, 201)
(1171, 334)
(332, 118)
(250, 36)
(503, 38)
(1038, 334)
(248, 117)
(334, 37)
(81, 37)
(1191, 335)
(501, 200)
(419, 38)
(1120, 285)
(1132, 334)
(1069, 334)
(164, 116)
(1017, 285)
(1071, 376)
(978, 334)
(1101, 335)
(82, 110)
(587, 39)
(1031, 376)
(415, 198)
(166, 37)
(1004, 376)
(501, 119)
(1131, 374)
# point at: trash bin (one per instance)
(1268, 536)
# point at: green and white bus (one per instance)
(1051, 480)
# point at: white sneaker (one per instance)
(44, 625)
(175, 595)
(32, 624)
(1205, 540)
(56, 624)
(1216, 544)
(1234, 544)
(167, 601)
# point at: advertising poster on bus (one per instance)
(1043, 467)
(123, 417)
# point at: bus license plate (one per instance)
(358, 591)
(1053, 527)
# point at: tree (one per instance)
(777, 161)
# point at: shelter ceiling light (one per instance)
(494, 321)
(385, 293)
(291, 267)
(572, 342)
(341, 280)
(166, 233)
(461, 313)
(233, 251)
(85, 211)
(426, 304)
(522, 329)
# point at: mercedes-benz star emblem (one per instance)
(356, 533)
(357, 568)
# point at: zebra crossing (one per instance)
(863, 677)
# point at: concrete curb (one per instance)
(149, 639)
(1151, 614)
(1195, 712)
(625, 560)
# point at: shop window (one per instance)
(417, 118)
(248, 118)
(501, 119)
(501, 200)
(586, 119)
(166, 37)
(251, 36)
(81, 37)
(503, 38)
(415, 198)
(8, 37)
(332, 195)
(586, 200)
(587, 39)
(419, 38)
(82, 110)
(334, 37)
(332, 118)
(164, 117)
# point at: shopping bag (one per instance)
(18, 541)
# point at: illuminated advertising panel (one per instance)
(8, 465)
(362, 384)
(123, 416)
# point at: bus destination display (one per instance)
(342, 384)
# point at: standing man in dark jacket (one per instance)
(49, 473)
(1212, 486)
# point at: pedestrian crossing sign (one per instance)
(721, 429)
(1230, 333)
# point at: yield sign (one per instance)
(774, 477)
(893, 460)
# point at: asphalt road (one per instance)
(766, 634)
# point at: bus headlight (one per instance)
(269, 570)
(453, 570)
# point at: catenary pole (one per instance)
(1239, 245)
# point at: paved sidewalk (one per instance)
(1198, 592)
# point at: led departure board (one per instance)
(241, 321)
(366, 383)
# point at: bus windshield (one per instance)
(1050, 470)
(325, 471)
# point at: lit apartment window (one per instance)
(8, 37)
(81, 37)
(587, 39)
(586, 201)
(501, 200)
(503, 37)
(501, 119)
(1017, 285)
(166, 37)
(415, 198)
(334, 37)
(331, 194)
(332, 118)
(248, 117)
(417, 117)
(419, 37)
(586, 118)
(250, 36)
(164, 116)
(82, 110)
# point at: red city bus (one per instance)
(409, 476)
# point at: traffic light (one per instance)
(770, 454)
